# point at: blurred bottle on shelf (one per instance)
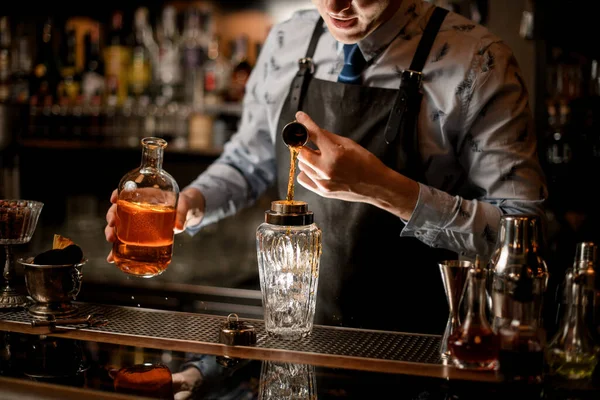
(45, 71)
(241, 68)
(194, 51)
(69, 86)
(92, 82)
(217, 74)
(143, 49)
(168, 71)
(117, 56)
(21, 65)
(5, 59)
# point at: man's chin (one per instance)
(347, 36)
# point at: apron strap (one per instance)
(305, 70)
(426, 42)
(410, 83)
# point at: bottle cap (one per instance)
(585, 255)
(585, 264)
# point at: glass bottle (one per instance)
(217, 73)
(240, 68)
(92, 82)
(585, 262)
(69, 86)
(21, 61)
(571, 352)
(522, 341)
(146, 206)
(45, 70)
(117, 57)
(474, 345)
(289, 251)
(5, 59)
(194, 45)
(142, 50)
(168, 70)
(518, 243)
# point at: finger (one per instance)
(309, 155)
(313, 173)
(184, 395)
(114, 196)
(181, 215)
(317, 135)
(110, 258)
(180, 221)
(305, 181)
(109, 233)
(111, 215)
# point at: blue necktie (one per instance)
(354, 63)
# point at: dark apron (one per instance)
(370, 277)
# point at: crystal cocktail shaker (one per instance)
(289, 250)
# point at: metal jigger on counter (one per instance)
(289, 251)
(18, 220)
(454, 277)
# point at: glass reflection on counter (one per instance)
(285, 381)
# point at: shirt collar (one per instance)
(377, 41)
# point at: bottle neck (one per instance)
(576, 303)
(476, 295)
(152, 156)
(524, 313)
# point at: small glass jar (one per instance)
(289, 251)
(572, 353)
(475, 345)
(146, 209)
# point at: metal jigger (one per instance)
(294, 134)
(454, 276)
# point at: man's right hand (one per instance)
(190, 211)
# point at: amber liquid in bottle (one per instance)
(144, 244)
(475, 345)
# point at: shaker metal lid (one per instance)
(289, 212)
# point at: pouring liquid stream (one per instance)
(294, 150)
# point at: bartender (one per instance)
(420, 139)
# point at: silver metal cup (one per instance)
(52, 288)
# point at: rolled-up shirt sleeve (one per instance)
(497, 149)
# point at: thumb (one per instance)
(180, 221)
(317, 135)
(181, 213)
